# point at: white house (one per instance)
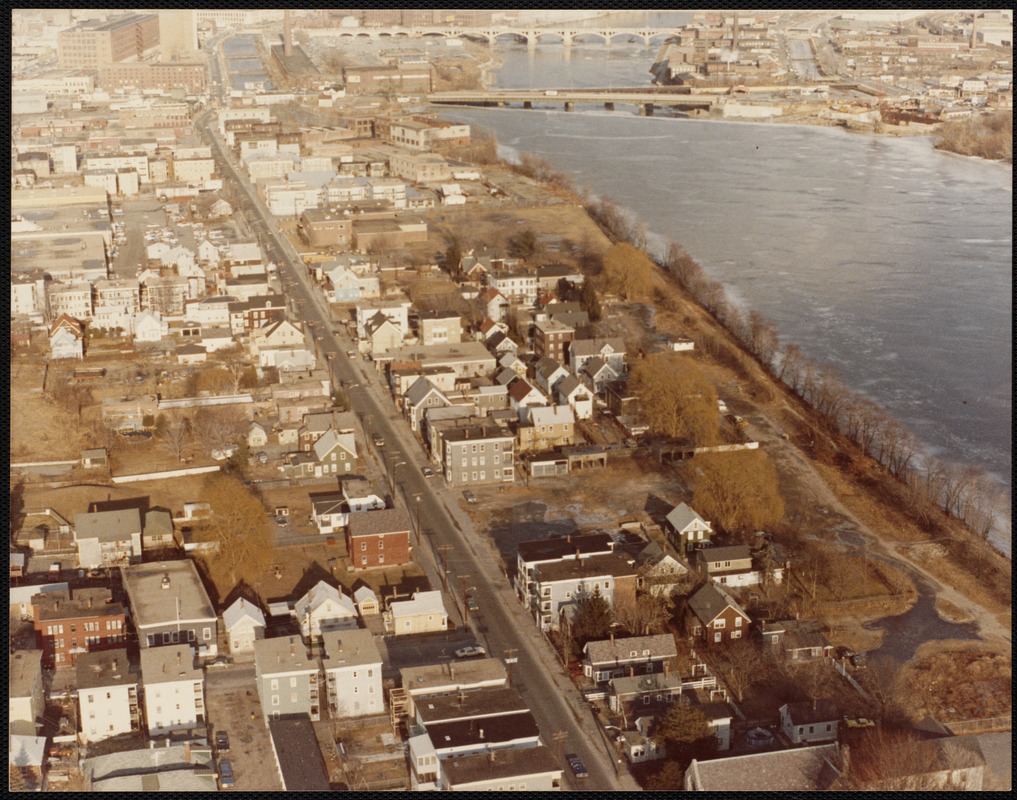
(107, 695)
(572, 392)
(149, 326)
(424, 613)
(107, 538)
(352, 667)
(257, 436)
(174, 689)
(26, 696)
(810, 722)
(324, 608)
(244, 623)
(207, 252)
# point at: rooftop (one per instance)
(105, 668)
(802, 769)
(286, 654)
(178, 768)
(299, 754)
(470, 705)
(461, 771)
(610, 651)
(381, 521)
(438, 678)
(488, 731)
(25, 668)
(169, 664)
(565, 546)
(351, 648)
(166, 591)
(79, 603)
(573, 569)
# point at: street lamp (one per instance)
(466, 592)
(418, 498)
(391, 474)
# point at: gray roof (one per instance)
(568, 385)
(152, 603)
(681, 516)
(168, 664)
(710, 601)
(299, 755)
(637, 684)
(385, 520)
(105, 668)
(502, 764)
(609, 651)
(25, 667)
(802, 769)
(108, 526)
(594, 347)
(419, 391)
(350, 648)
(240, 610)
(809, 713)
(436, 678)
(285, 654)
(611, 564)
(157, 522)
(712, 555)
(470, 705)
(167, 769)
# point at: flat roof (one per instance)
(560, 547)
(470, 705)
(474, 673)
(610, 564)
(488, 731)
(461, 771)
(168, 664)
(285, 654)
(350, 648)
(299, 754)
(25, 667)
(183, 598)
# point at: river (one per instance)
(878, 255)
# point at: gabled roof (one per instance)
(681, 516)
(710, 602)
(713, 555)
(328, 503)
(608, 651)
(597, 365)
(521, 388)
(568, 385)
(381, 521)
(240, 610)
(505, 376)
(419, 391)
(322, 593)
(547, 366)
(592, 347)
(70, 324)
(331, 440)
(364, 593)
(802, 769)
(552, 415)
(809, 713)
(420, 603)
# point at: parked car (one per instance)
(577, 766)
(473, 651)
(860, 722)
(858, 661)
(471, 603)
(378, 439)
(428, 472)
(225, 773)
(281, 521)
(222, 742)
(220, 663)
(470, 496)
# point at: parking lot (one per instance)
(233, 706)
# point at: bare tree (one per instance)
(175, 435)
(676, 397)
(740, 490)
(890, 760)
(219, 427)
(740, 665)
(238, 525)
(643, 615)
(792, 364)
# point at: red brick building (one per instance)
(378, 538)
(552, 339)
(67, 624)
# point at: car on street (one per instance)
(428, 472)
(280, 521)
(858, 661)
(470, 496)
(577, 766)
(378, 439)
(473, 651)
(220, 663)
(471, 603)
(226, 779)
(222, 742)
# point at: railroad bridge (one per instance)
(532, 35)
(644, 99)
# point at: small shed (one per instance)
(94, 459)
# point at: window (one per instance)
(166, 638)
(718, 636)
(190, 636)
(736, 634)
(363, 547)
(275, 699)
(274, 685)
(738, 622)
(719, 624)
(206, 634)
(293, 682)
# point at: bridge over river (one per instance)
(644, 99)
(531, 34)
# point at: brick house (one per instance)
(552, 339)
(378, 538)
(68, 624)
(712, 616)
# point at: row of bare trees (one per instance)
(963, 492)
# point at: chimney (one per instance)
(187, 752)
(480, 733)
(178, 658)
(287, 34)
(612, 635)
(89, 601)
(451, 671)
(113, 665)
(293, 647)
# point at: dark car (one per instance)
(225, 773)
(577, 766)
(471, 603)
(858, 661)
(222, 742)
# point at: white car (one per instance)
(473, 651)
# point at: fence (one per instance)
(983, 725)
(843, 670)
(173, 473)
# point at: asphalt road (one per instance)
(502, 625)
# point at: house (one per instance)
(396, 312)
(244, 624)
(610, 351)
(95, 458)
(440, 327)
(367, 601)
(329, 512)
(108, 700)
(547, 373)
(423, 613)
(73, 622)
(639, 745)
(66, 338)
(378, 538)
(597, 374)
(614, 657)
(352, 666)
(552, 339)
(335, 453)
(472, 452)
(324, 608)
(805, 769)
(448, 679)
(257, 436)
(348, 287)
(570, 391)
(530, 769)
(810, 722)
(559, 586)
(26, 695)
(728, 566)
(712, 616)
(158, 530)
(149, 326)
(169, 605)
(547, 427)
(421, 396)
(277, 333)
(288, 678)
(382, 335)
(174, 690)
(523, 395)
(549, 275)
(797, 639)
(686, 530)
(191, 354)
(531, 554)
(185, 767)
(108, 538)
(660, 573)
(360, 495)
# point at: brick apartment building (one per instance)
(68, 624)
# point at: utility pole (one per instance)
(418, 498)
(510, 659)
(466, 610)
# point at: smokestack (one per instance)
(178, 658)
(89, 602)
(974, 30)
(287, 34)
(734, 34)
(480, 733)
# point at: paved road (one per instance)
(503, 626)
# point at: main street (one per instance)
(504, 627)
